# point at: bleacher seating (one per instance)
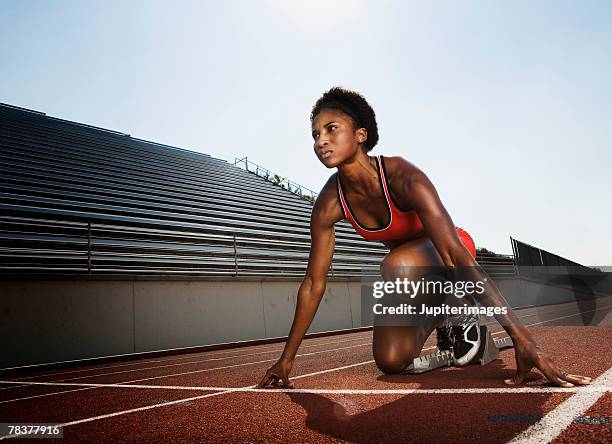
(77, 199)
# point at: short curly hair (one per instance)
(353, 105)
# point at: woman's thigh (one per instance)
(410, 257)
(394, 346)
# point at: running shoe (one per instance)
(460, 333)
(466, 342)
(444, 340)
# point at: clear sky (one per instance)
(505, 105)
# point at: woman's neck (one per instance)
(359, 173)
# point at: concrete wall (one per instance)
(51, 321)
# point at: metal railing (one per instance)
(93, 248)
(296, 188)
(31, 246)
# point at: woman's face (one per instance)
(335, 140)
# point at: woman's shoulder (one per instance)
(329, 188)
(398, 166)
(327, 207)
(405, 178)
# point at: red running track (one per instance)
(340, 395)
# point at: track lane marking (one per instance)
(251, 388)
(138, 409)
(239, 355)
(562, 416)
(85, 360)
(185, 363)
(594, 388)
(172, 375)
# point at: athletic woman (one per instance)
(394, 202)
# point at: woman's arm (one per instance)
(313, 286)
(415, 188)
(324, 215)
(441, 230)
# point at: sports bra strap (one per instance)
(383, 179)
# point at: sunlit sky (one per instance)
(505, 105)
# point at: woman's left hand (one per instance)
(528, 355)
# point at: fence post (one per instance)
(88, 247)
(541, 260)
(514, 255)
(235, 256)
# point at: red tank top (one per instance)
(402, 224)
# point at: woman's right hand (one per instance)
(278, 372)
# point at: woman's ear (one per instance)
(362, 135)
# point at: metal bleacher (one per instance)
(81, 200)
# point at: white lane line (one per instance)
(335, 369)
(191, 355)
(548, 310)
(182, 364)
(178, 374)
(85, 361)
(238, 355)
(251, 388)
(179, 401)
(120, 384)
(595, 388)
(124, 412)
(569, 316)
(556, 319)
(558, 419)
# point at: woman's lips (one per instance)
(326, 154)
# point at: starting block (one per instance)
(488, 351)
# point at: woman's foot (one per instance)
(462, 336)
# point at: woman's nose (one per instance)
(322, 142)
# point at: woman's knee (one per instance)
(391, 364)
(397, 265)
